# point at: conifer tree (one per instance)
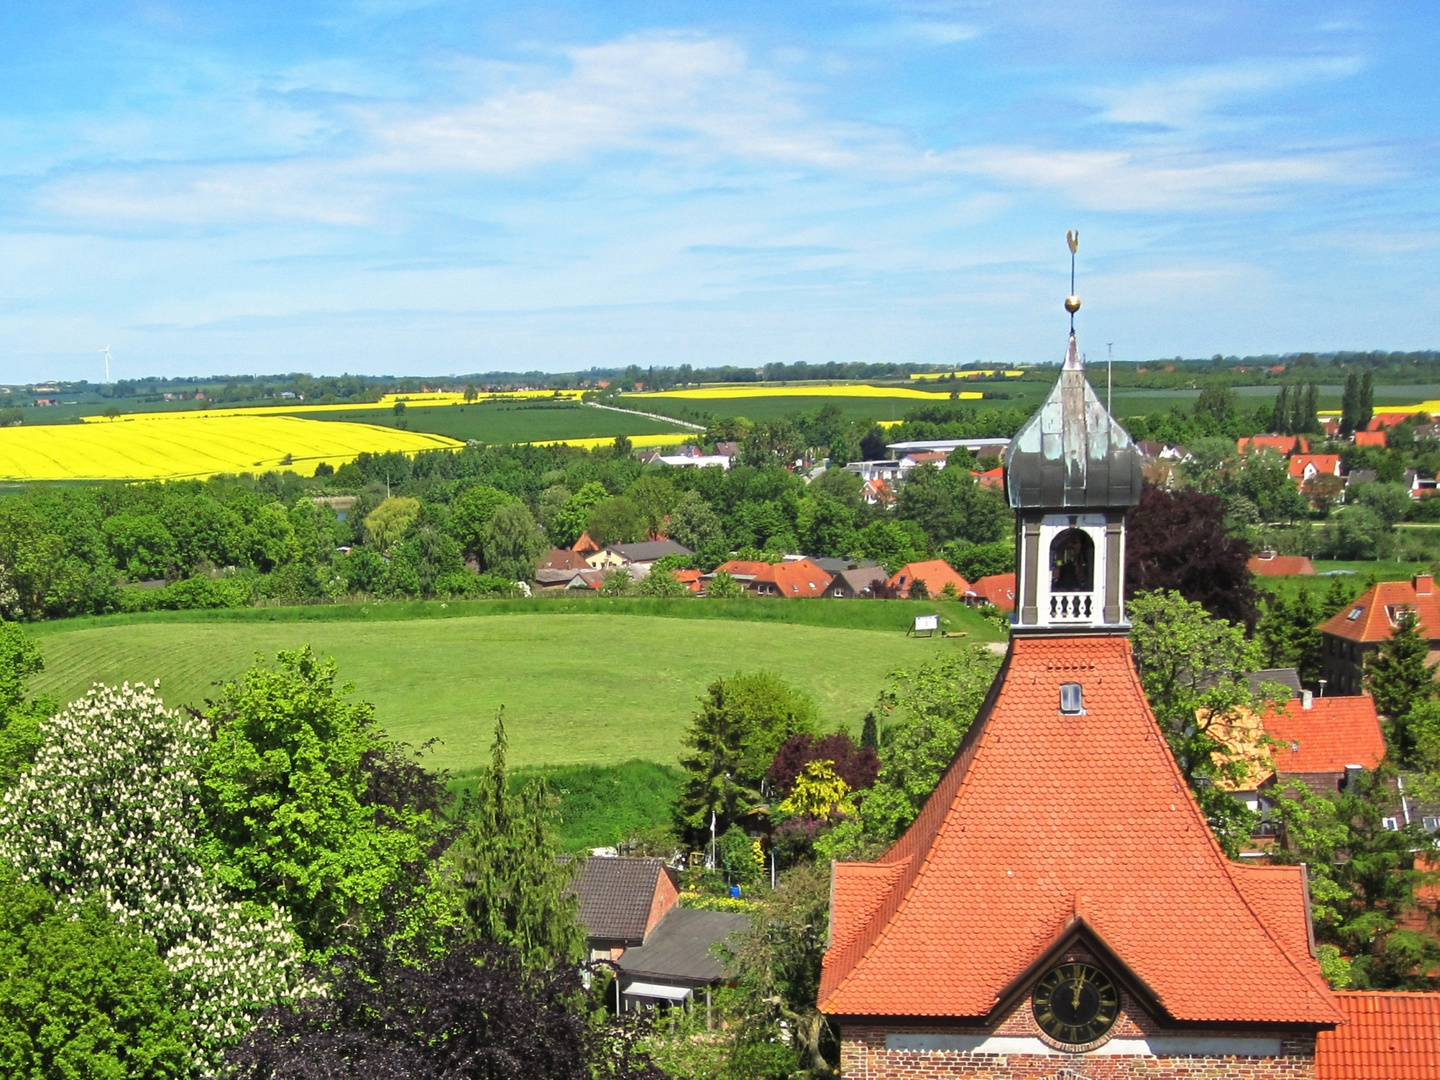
(1367, 402)
(1280, 423)
(1310, 420)
(869, 733)
(1349, 403)
(1400, 679)
(513, 886)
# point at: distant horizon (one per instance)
(405, 186)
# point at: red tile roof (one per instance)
(1325, 464)
(1282, 444)
(1390, 1036)
(585, 545)
(1379, 607)
(997, 589)
(1369, 438)
(793, 578)
(1046, 822)
(1269, 564)
(1380, 421)
(936, 573)
(991, 477)
(1332, 733)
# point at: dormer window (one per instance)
(1072, 699)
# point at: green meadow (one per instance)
(505, 422)
(580, 683)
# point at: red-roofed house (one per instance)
(1358, 628)
(794, 578)
(1059, 907)
(936, 573)
(997, 590)
(1269, 564)
(1389, 1036)
(991, 477)
(585, 546)
(1284, 445)
(1323, 737)
(1381, 421)
(1308, 466)
(1370, 438)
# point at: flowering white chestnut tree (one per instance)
(110, 810)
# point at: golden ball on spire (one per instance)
(1072, 303)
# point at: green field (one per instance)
(505, 422)
(577, 688)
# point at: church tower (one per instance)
(1059, 907)
(1070, 474)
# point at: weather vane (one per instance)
(1072, 302)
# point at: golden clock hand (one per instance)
(1079, 986)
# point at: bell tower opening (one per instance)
(1072, 562)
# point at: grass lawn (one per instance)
(598, 688)
(505, 423)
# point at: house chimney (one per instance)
(1307, 699)
(1424, 584)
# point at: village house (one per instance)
(638, 557)
(935, 573)
(663, 953)
(997, 590)
(1284, 445)
(859, 583)
(1059, 907)
(1305, 467)
(793, 578)
(1360, 627)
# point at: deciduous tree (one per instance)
(1176, 540)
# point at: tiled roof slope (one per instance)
(1332, 733)
(1272, 565)
(615, 896)
(1044, 816)
(1390, 1036)
(1376, 605)
(936, 573)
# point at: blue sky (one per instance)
(394, 186)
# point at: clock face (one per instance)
(1075, 1003)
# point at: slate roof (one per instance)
(839, 566)
(1285, 676)
(1390, 1036)
(649, 550)
(615, 896)
(1047, 824)
(1332, 733)
(564, 559)
(863, 578)
(1378, 604)
(679, 948)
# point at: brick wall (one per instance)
(865, 1055)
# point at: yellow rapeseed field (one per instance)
(638, 442)
(1428, 408)
(173, 446)
(386, 403)
(744, 390)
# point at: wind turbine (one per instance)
(106, 352)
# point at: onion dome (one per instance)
(1072, 453)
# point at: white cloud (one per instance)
(1149, 180)
(1191, 99)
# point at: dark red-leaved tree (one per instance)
(1177, 540)
(475, 1012)
(857, 766)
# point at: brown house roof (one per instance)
(1268, 564)
(616, 895)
